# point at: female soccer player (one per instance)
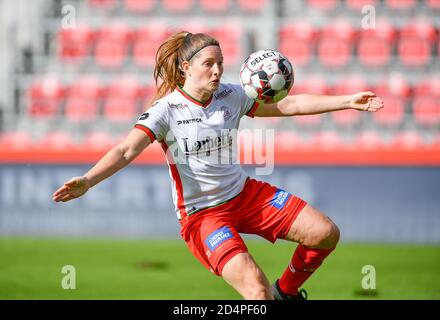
(195, 115)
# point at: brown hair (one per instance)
(179, 47)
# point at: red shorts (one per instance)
(212, 234)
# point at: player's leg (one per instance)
(313, 229)
(218, 246)
(245, 276)
(317, 236)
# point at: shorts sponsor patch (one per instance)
(218, 237)
(280, 198)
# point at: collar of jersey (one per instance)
(193, 100)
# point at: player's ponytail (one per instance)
(181, 46)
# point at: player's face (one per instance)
(206, 68)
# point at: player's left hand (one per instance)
(366, 101)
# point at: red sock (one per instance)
(304, 262)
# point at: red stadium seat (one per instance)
(57, 140)
(229, 36)
(111, 46)
(126, 87)
(81, 110)
(122, 99)
(347, 118)
(251, 6)
(335, 44)
(83, 99)
(86, 87)
(426, 110)
(326, 5)
(359, 4)
(429, 86)
(97, 140)
(433, 4)
(415, 43)
(177, 5)
(393, 113)
(401, 4)
(374, 47)
(16, 140)
(120, 110)
(147, 41)
(396, 84)
(216, 6)
(308, 120)
(196, 27)
(314, 84)
(45, 96)
(407, 140)
(74, 44)
(414, 52)
(139, 5)
(350, 84)
(288, 140)
(368, 140)
(326, 140)
(146, 93)
(102, 4)
(297, 42)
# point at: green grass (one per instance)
(146, 269)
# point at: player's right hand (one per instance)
(72, 189)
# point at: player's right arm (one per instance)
(114, 160)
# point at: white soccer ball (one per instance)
(266, 76)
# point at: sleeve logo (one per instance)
(218, 237)
(280, 199)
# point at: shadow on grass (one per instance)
(149, 265)
(371, 293)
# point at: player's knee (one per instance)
(327, 235)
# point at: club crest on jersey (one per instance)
(177, 105)
(217, 237)
(225, 112)
(280, 199)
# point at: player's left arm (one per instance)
(304, 104)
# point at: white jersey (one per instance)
(199, 142)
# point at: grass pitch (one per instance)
(146, 269)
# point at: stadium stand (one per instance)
(296, 42)
(416, 43)
(139, 6)
(335, 44)
(98, 75)
(82, 99)
(217, 6)
(375, 46)
(325, 5)
(251, 6)
(45, 96)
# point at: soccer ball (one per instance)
(266, 76)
